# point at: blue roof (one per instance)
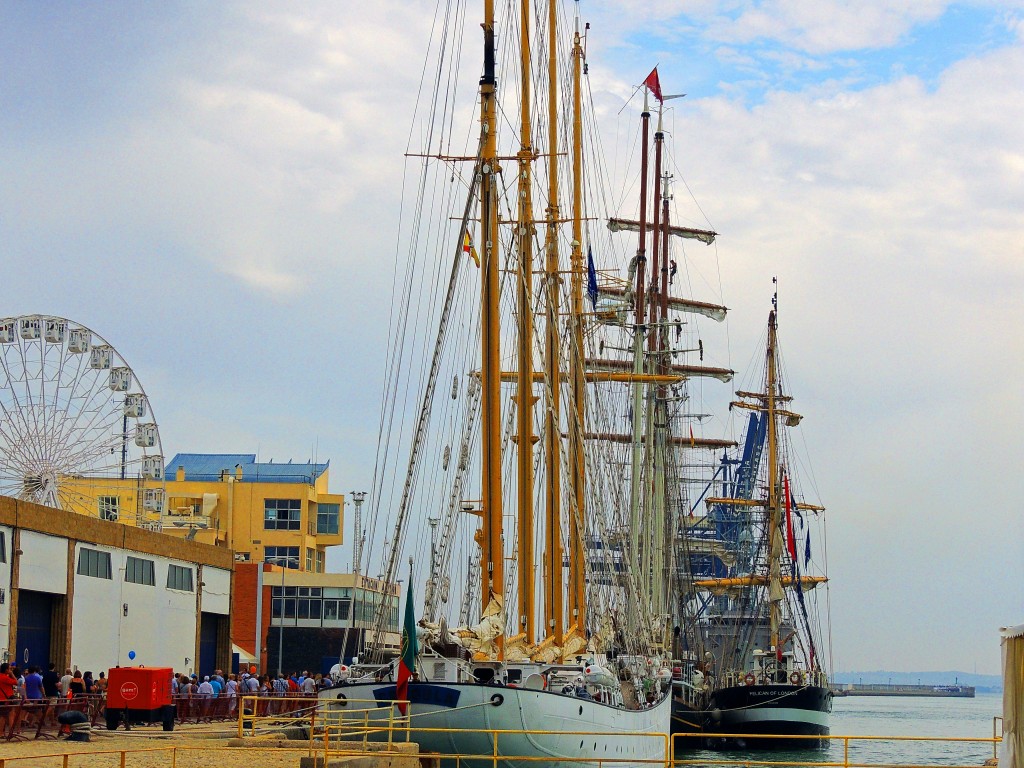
(209, 466)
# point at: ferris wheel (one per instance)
(76, 428)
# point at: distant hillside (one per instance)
(981, 682)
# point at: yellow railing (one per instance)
(359, 723)
(344, 737)
(83, 758)
(255, 710)
(87, 757)
(496, 756)
(846, 741)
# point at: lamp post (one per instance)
(283, 562)
(358, 497)
(280, 624)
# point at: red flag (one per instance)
(653, 85)
(790, 540)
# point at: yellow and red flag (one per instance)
(468, 249)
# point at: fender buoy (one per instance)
(497, 699)
(749, 679)
(342, 698)
(795, 678)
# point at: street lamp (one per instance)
(281, 560)
(280, 627)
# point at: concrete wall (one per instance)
(161, 625)
(44, 563)
(217, 592)
(7, 532)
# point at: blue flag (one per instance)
(591, 278)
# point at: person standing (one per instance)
(205, 689)
(65, 682)
(51, 682)
(34, 685)
(8, 683)
(308, 687)
(77, 685)
(280, 686)
(231, 691)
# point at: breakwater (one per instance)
(882, 689)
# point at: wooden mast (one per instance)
(638, 351)
(654, 554)
(654, 303)
(490, 535)
(775, 593)
(668, 519)
(577, 374)
(553, 607)
(524, 386)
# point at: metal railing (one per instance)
(495, 756)
(357, 724)
(277, 711)
(87, 757)
(350, 733)
(824, 757)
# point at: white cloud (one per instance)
(893, 217)
(828, 26)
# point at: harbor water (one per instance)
(890, 716)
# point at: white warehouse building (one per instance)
(93, 594)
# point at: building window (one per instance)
(302, 603)
(282, 514)
(92, 562)
(310, 559)
(109, 507)
(328, 518)
(286, 557)
(179, 577)
(3, 547)
(319, 561)
(139, 571)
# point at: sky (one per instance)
(214, 189)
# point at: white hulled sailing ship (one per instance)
(558, 628)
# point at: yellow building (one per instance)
(264, 511)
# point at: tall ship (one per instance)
(530, 419)
(753, 582)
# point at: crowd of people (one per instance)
(34, 684)
(247, 684)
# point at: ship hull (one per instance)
(770, 710)
(686, 719)
(544, 725)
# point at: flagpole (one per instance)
(407, 656)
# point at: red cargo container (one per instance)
(139, 695)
